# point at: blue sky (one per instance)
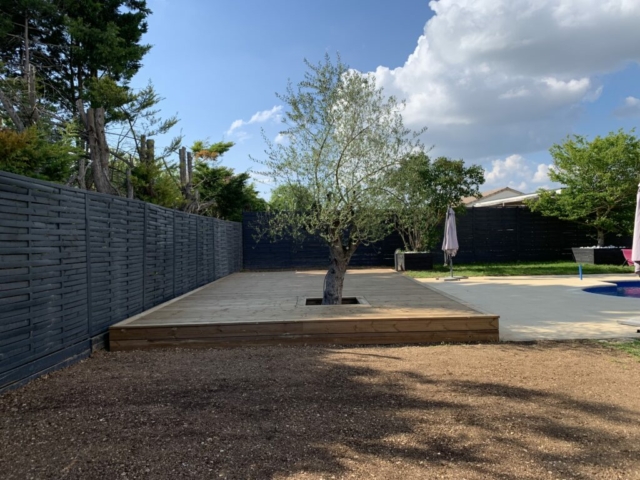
(495, 81)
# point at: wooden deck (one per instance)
(264, 308)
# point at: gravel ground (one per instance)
(506, 411)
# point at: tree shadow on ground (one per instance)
(310, 412)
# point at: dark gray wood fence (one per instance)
(485, 235)
(73, 263)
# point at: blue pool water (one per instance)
(618, 289)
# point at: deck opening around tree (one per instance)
(317, 301)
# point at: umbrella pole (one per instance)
(451, 278)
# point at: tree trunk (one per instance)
(151, 151)
(182, 154)
(82, 173)
(142, 149)
(600, 238)
(12, 112)
(334, 281)
(189, 175)
(29, 75)
(129, 184)
(186, 181)
(93, 121)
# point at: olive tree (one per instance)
(343, 138)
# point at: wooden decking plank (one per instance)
(320, 327)
(186, 322)
(338, 339)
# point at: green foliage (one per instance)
(422, 190)
(76, 49)
(106, 91)
(345, 136)
(225, 194)
(290, 198)
(141, 122)
(99, 39)
(42, 17)
(34, 153)
(153, 183)
(75, 45)
(105, 35)
(601, 180)
(204, 150)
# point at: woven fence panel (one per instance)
(231, 239)
(159, 256)
(116, 228)
(185, 252)
(237, 246)
(261, 253)
(484, 234)
(220, 252)
(206, 262)
(73, 263)
(43, 275)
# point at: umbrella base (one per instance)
(453, 279)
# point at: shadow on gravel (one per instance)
(312, 412)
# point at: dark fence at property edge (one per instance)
(507, 234)
(73, 263)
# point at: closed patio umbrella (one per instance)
(450, 243)
(635, 252)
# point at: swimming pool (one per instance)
(618, 289)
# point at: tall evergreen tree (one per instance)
(79, 55)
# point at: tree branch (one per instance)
(10, 109)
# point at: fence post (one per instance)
(215, 239)
(517, 234)
(197, 252)
(144, 254)
(87, 223)
(173, 258)
(473, 234)
(215, 248)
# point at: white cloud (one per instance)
(258, 117)
(280, 138)
(265, 115)
(514, 166)
(542, 173)
(516, 172)
(630, 108)
(594, 94)
(491, 77)
(260, 178)
(235, 125)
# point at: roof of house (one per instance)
(516, 200)
(486, 195)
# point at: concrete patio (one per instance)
(548, 308)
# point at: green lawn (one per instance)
(519, 268)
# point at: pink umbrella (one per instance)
(635, 251)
